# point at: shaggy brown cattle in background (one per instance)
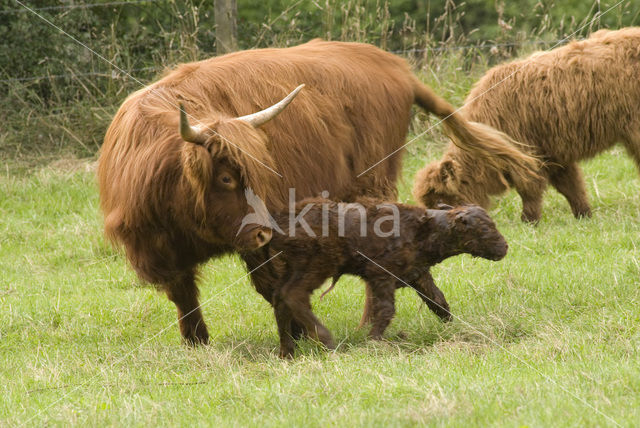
(174, 198)
(388, 245)
(564, 105)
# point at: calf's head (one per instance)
(222, 159)
(473, 232)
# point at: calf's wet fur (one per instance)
(389, 245)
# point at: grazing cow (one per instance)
(562, 106)
(387, 245)
(172, 184)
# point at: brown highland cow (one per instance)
(172, 186)
(563, 106)
(388, 245)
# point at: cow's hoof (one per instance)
(530, 219)
(197, 340)
(196, 336)
(584, 213)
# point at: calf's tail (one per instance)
(333, 284)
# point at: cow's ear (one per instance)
(197, 166)
(449, 171)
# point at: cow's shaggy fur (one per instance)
(174, 204)
(563, 106)
(388, 245)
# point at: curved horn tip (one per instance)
(189, 133)
(260, 118)
(183, 117)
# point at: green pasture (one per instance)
(547, 337)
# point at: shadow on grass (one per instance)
(453, 334)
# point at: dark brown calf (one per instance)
(388, 245)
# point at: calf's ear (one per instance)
(444, 207)
(425, 217)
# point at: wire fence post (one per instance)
(226, 13)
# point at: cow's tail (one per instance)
(478, 140)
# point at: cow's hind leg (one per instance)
(432, 296)
(383, 306)
(632, 144)
(569, 182)
(183, 291)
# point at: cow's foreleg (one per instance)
(531, 190)
(632, 144)
(569, 182)
(183, 291)
(531, 203)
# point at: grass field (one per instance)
(547, 337)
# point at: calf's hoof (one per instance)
(446, 317)
(374, 335)
(329, 344)
(286, 353)
(326, 339)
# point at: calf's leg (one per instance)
(183, 291)
(284, 320)
(367, 313)
(432, 296)
(569, 182)
(297, 330)
(383, 306)
(263, 281)
(296, 294)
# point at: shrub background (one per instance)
(57, 95)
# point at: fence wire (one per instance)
(81, 6)
(113, 74)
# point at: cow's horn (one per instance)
(264, 116)
(190, 134)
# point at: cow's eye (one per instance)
(227, 181)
